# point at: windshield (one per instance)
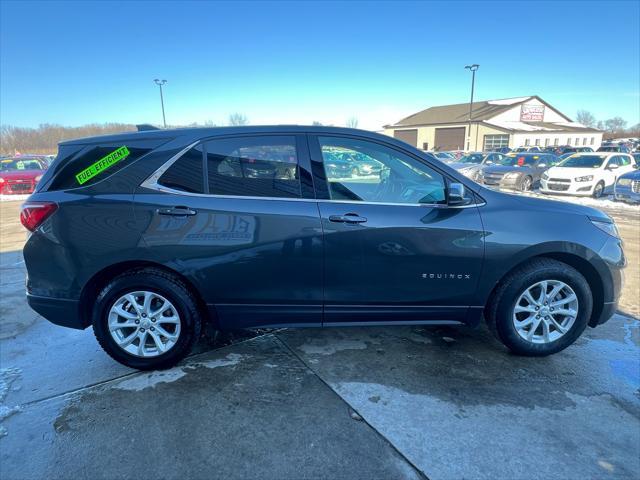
(14, 164)
(471, 158)
(583, 161)
(444, 155)
(517, 160)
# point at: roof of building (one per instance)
(459, 113)
(542, 127)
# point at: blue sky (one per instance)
(294, 62)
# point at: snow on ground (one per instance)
(606, 202)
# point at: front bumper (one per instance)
(61, 311)
(506, 183)
(567, 188)
(608, 309)
(610, 267)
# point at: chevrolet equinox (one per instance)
(146, 236)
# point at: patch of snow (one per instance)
(7, 377)
(229, 360)
(570, 124)
(142, 381)
(14, 198)
(508, 101)
(603, 202)
(332, 347)
(519, 126)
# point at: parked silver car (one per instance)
(470, 164)
(517, 171)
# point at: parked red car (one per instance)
(20, 174)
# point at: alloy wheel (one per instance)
(545, 311)
(526, 184)
(144, 324)
(597, 190)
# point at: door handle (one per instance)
(176, 211)
(347, 218)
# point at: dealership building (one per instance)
(510, 122)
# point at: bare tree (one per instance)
(45, 138)
(586, 118)
(238, 119)
(615, 124)
(352, 122)
(600, 125)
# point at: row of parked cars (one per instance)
(584, 173)
(20, 174)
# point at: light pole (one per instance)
(160, 83)
(473, 69)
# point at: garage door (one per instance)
(409, 136)
(449, 138)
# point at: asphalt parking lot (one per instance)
(396, 402)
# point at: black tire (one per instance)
(598, 190)
(156, 281)
(499, 311)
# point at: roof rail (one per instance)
(145, 127)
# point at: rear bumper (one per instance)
(61, 311)
(17, 188)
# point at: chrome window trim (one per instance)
(151, 183)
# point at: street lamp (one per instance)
(160, 83)
(473, 69)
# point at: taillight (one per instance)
(34, 213)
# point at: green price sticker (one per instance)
(102, 164)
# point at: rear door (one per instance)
(237, 216)
(394, 251)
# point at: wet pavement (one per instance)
(396, 402)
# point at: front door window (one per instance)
(359, 170)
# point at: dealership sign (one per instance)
(532, 113)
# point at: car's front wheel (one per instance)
(598, 190)
(541, 308)
(146, 319)
(527, 184)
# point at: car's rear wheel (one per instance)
(541, 308)
(146, 319)
(598, 190)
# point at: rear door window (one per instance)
(186, 173)
(253, 166)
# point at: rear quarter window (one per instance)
(95, 163)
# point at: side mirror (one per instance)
(456, 194)
(613, 167)
(542, 164)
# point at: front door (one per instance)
(394, 250)
(237, 217)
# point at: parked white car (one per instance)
(586, 173)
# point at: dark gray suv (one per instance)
(147, 236)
